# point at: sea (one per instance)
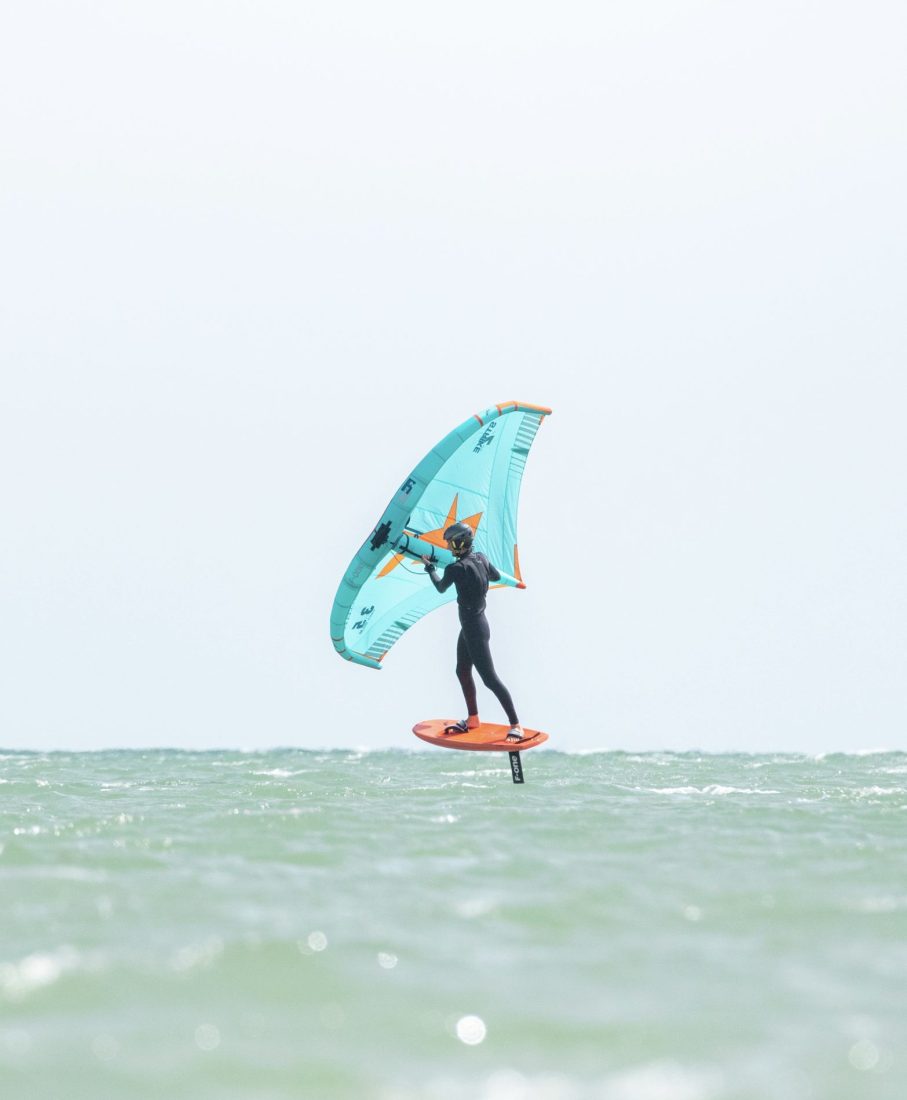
(412, 925)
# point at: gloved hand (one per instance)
(429, 564)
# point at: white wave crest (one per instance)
(711, 790)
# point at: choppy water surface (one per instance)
(412, 924)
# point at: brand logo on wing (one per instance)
(486, 437)
(363, 622)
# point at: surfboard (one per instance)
(487, 737)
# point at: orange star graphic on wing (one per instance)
(436, 537)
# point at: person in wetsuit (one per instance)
(471, 573)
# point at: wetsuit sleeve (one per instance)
(493, 572)
(442, 583)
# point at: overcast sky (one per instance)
(257, 258)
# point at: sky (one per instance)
(257, 258)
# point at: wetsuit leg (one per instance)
(476, 635)
(464, 675)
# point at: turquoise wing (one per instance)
(472, 475)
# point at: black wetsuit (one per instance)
(471, 575)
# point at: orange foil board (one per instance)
(485, 738)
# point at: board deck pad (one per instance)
(487, 737)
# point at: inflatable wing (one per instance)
(472, 475)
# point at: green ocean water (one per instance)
(397, 925)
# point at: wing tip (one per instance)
(524, 405)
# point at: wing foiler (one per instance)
(472, 475)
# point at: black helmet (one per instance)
(459, 537)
